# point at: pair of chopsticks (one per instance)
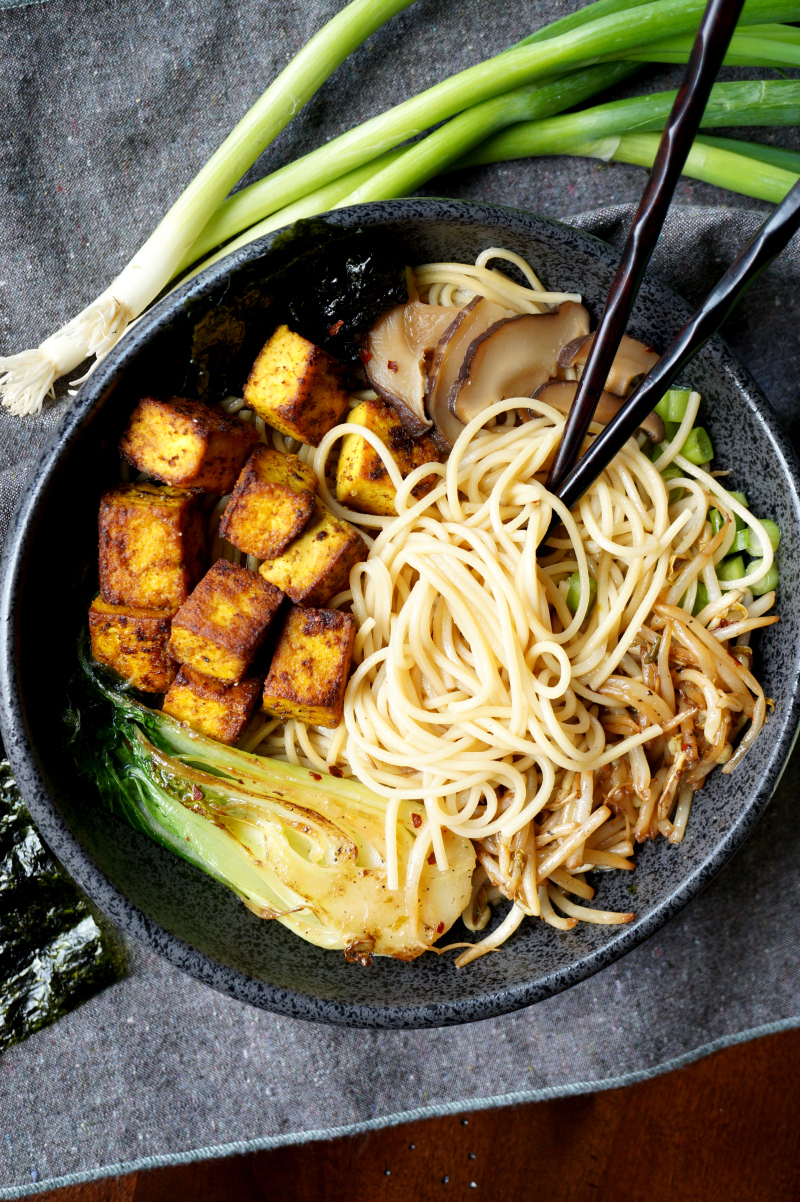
(570, 476)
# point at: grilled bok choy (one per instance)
(306, 849)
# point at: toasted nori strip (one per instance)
(54, 952)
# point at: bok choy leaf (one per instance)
(306, 849)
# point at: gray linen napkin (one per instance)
(108, 111)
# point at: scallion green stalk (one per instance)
(738, 171)
(614, 36)
(746, 50)
(27, 378)
(751, 102)
(400, 171)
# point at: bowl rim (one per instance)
(57, 833)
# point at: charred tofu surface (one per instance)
(222, 625)
(362, 481)
(308, 676)
(210, 707)
(317, 565)
(187, 444)
(297, 387)
(133, 643)
(271, 503)
(152, 546)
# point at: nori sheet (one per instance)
(55, 952)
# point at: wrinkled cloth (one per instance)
(108, 110)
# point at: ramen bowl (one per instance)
(205, 332)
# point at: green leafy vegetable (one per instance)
(293, 845)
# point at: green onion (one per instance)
(671, 429)
(731, 569)
(698, 448)
(537, 58)
(754, 542)
(672, 407)
(717, 520)
(673, 472)
(402, 170)
(748, 48)
(704, 162)
(609, 33)
(27, 378)
(774, 156)
(701, 599)
(767, 583)
(574, 594)
(741, 542)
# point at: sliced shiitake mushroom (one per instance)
(398, 347)
(512, 357)
(632, 361)
(448, 358)
(561, 393)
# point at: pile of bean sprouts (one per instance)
(555, 741)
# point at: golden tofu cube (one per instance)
(133, 643)
(223, 624)
(187, 444)
(317, 565)
(219, 711)
(362, 482)
(272, 502)
(152, 545)
(310, 666)
(297, 387)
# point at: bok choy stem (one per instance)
(308, 850)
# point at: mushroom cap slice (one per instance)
(399, 345)
(632, 361)
(560, 394)
(448, 359)
(513, 357)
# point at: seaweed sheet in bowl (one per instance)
(201, 339)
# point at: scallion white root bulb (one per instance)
(27, 378)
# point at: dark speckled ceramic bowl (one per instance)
(182, 914)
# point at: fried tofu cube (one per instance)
(362, 481)
(152, 545)
(297, 387)
(133, 643)
(219, 711)
(310, 666)
(317, 564)
(219, 629)
(271, 503)
(187, 443)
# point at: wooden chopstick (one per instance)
(710, 45)
(767, 244)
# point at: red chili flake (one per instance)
(364, 356)
(432, 858)
(315, 776)
(58, 187)
(392, 366)
(197, 793)
(440, 928)
(724, 622)
(416, 820)
(337, 772)
(335, 328)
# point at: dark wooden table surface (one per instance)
(726, 1129)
